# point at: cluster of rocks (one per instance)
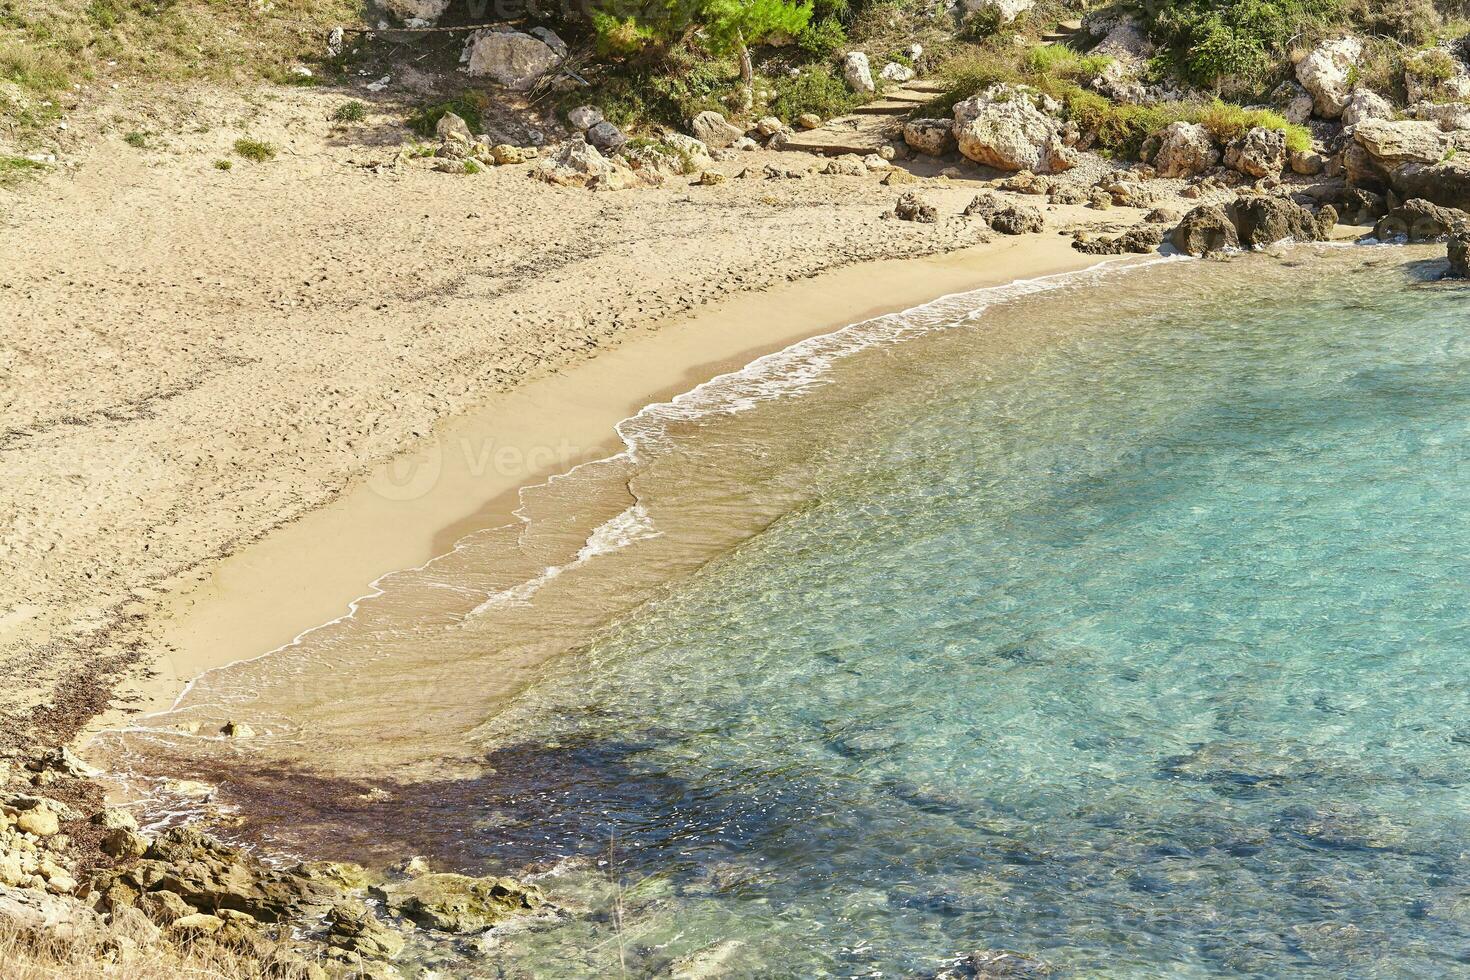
(127, 891)
(1008, 127)
(857, 70)
(461, 151)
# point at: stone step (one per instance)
(884, 107)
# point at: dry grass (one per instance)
(49, 45)
(23, 957)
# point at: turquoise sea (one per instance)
(1124, 624)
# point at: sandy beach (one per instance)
(256, 345)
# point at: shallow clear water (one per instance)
(1124, 625)
(1144, 651)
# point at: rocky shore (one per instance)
(82, 880)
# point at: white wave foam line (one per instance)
(633, 524)
(804, 364)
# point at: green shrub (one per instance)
(1432, 67)
(818, 89)
(822, 39)
(1060, 61)
(137, 140)
(14, 169)
(223, 165)
(1210, 41)
(256, 151)
(470, 107)
(350, 112)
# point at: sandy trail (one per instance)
(190, 358)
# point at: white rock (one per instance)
(913, 51)
(1185, 150)
(711, 128)
(1004, 11)
(1294, 101)
(1010, 127)
(510, 58)
(855, 69)
(1363, 105)
(584, 117)
(549, 37)
(54, 917)
(1451, 116)
(895, 72)
(1325, 72)
(1259, 153)
(933, 137)
(422, 12)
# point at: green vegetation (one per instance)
(349, 112)
(818, 89)
(47, 46)
(256, 151)
(138, 140)
(470, 107)
(224, 165)
(13, 170)
(1120, 128)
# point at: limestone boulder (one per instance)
(1184, 150)
(911, 207)
(31, 911)
(932, 137)
(1259, 153)
(1001, 12)
(514, 59)
(1363, 105)
(1390, 143)
(857, 72)
(1458, 252)
(1326, 73)
(1446, 183)
(457, 903)
(1262, 220)
(417, 13)
(712, 129)
(1012, 127)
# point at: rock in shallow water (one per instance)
(458, 903)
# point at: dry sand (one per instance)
(196, 361)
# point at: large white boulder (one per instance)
(1390, 144)
(1363, 105)
(417, 13)
(1294, 101)
(511, 58)
(1325, 73)
(1004, 11)
(1185, 150)
(857, 72)
(714, 130)
(1259, 153)
(1012, 127)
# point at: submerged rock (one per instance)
(1459, 254)
(458, 903)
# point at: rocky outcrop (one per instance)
(1005, 217)
(1184, 150)
(1365, 104)
(457, 903)
(417, 13)
(578, 163)
(856, 71)
(1140, 239)
(1458, 252)
(1261, 220)
(712, 129)
(1293, 101)
(512, 58)
(1450, 117)
(1012, 127)
(1000, 12)
(1436, 75)
(932, 137)
(1420, 221)
(1390, 144)
(911, 207)
(1358, 206)
(1259, 153)
(1446, 184)
(32, 911)
(1204, 230)
(1326, 73)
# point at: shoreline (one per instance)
(468, 475)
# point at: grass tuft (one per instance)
(256, 151)
(349, 112)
